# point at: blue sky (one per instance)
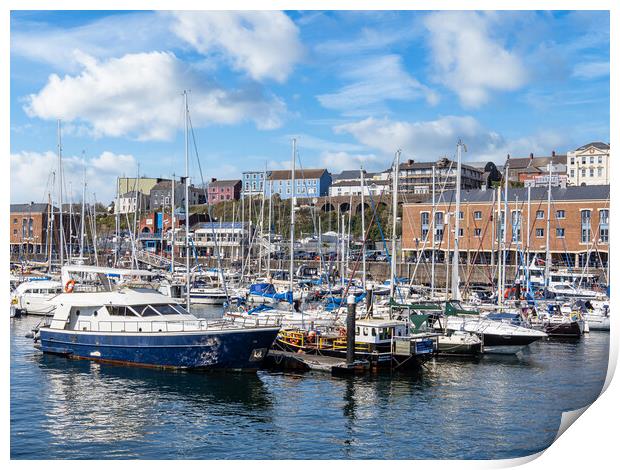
(352, 86)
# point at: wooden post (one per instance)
(350, 329)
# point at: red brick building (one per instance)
(578, 225)
(30, 228)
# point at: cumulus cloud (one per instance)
(32, 180)
(374, 81)
(264, 44)
(468, 59)
(139, 96)
(430, 140)
(422, 139)
(339, 161)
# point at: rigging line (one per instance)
(216, 245)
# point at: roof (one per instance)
(520, 163)
(299, 174)
(166, 184)
(570, 193)
(223, 183)
(26, 208)
(358, 183)
(598, 145)
(219, 225)
(441, 163)
(349, 175)
(132, 193)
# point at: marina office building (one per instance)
(578, 225)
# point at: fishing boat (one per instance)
(149, 329)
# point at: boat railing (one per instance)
(122, 326)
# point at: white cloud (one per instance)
(339, 161)
(31, 175)
(139, 96)
(468, 60)
(424, 139)
(265, 44)
(375, 81)
(132, 33)
(430, 140)
(591, 70)
(310, 142)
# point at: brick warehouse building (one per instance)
(579, 224)
(29, 228)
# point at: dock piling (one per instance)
(350, 329)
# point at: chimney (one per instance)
(213, 180)
(410, 161)
(508, 157)
(552, 153)
(531, 156)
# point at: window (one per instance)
(572, 173)
(604, 225)
(424, 222)
(591, 160)
(586, 216)
(583, 172)
(461, 215)
(438, 226)
(583, 160)
(120, 311)
(560, 214)
(14, 221)
(591, 172)
(516, 226)
(477, 232)
(559, 232)
(572, 160)
(540, 214)
(478, 215)
(460, 232)
(540, 232)
(14, 231)
(600, 159)
(600, 172)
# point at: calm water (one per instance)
(496, 407)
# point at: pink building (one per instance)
(223, 190)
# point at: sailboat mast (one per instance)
(456, 295)
(394, 217)
(503, 272)
(269, 235)
(433, 236)
(363, 231)
(173, 224)
(547, 247)
(82, 212)
(186, 199)
(292, 229)
(60, 183)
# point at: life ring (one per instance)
(69, 286)
(342, 331)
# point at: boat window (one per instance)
(145, 310)
(357, 330)
(365, 331)
(120, 311)
(373, 332)
(165, 309)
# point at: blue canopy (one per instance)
(263, 288)
(260, 308)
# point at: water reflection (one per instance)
(101, 403)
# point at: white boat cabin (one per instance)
(379, 331)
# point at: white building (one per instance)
(588, 165)
(131, 202)
(354, 188)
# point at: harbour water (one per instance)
(489, 408)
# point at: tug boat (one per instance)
(380, 342)
(146, 328)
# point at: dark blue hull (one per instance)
(237, 349)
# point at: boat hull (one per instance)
(506, 344)
(572, 329)
(235, 349)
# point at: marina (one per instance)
(503, 406)
(220, 255)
